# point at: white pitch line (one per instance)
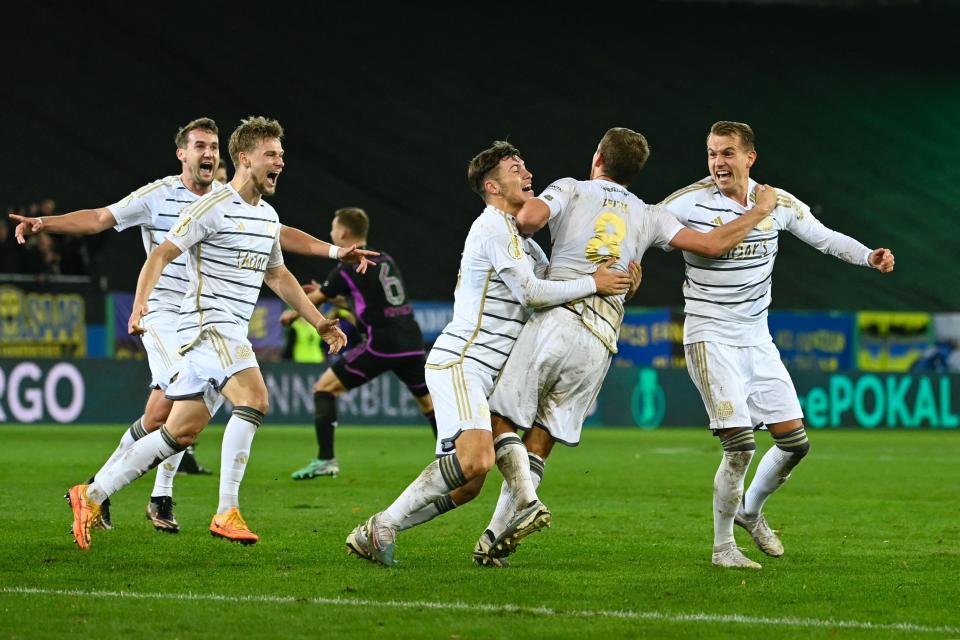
(499, 608)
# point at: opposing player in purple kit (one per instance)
(729, 350)
(392, 340)
(497, 285)
(154, 208)
(562, 354)
(232, 241)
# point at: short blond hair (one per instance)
(250, 133)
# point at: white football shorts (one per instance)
(742, 386)
(459, 393)
(218, 355)
(553, 375)
(162, 347)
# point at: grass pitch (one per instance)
(869, 520)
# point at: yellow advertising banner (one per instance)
(41, 324)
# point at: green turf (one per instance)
(869, 521)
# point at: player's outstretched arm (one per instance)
(293, 240)
(158, 259)
(282, 282)
(723, 238)
(75, 223)
(534, 293)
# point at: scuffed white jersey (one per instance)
(591, 221)
(726, 298)
(155, 208)
(497, 283)
(229, 245)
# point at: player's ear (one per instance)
(751, 158)
(181, 154)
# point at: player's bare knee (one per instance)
(476, 463)
(257, 401)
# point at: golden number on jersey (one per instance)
(605, 244)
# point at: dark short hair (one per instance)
(250, 133)
(354, 219)
(486, 161)
(728, 128)
(624, 153)
(204, 124)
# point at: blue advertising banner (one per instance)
(265, 331)
(651, 338)
(814, 341)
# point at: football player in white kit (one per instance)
(232, 241)
(562, 354)
(497, 284)
(155, 208)
(729, 350)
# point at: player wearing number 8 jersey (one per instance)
(497, 285)
(562, 354)
(392, 340)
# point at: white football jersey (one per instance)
(229, 245)
(487, 313)
(726, 298)
(155, 208)
(590, 221)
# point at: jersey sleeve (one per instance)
(134, 210)
(558, 194)
(276, 255)
(190, 230)
(334, 284)
(802, 223)
(664, 226)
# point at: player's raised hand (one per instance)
(330, 331)
(611, 282)
(881, 259)
(766, 197)
(288, 317)
(134, 327)
(26, 226)
(357, 256)
(636, 277)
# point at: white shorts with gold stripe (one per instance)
(459, 393)
(162, 346)
(209, 362)
(552, 376)
(742, 386)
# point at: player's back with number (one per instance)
(592, 221)
(378, 299)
